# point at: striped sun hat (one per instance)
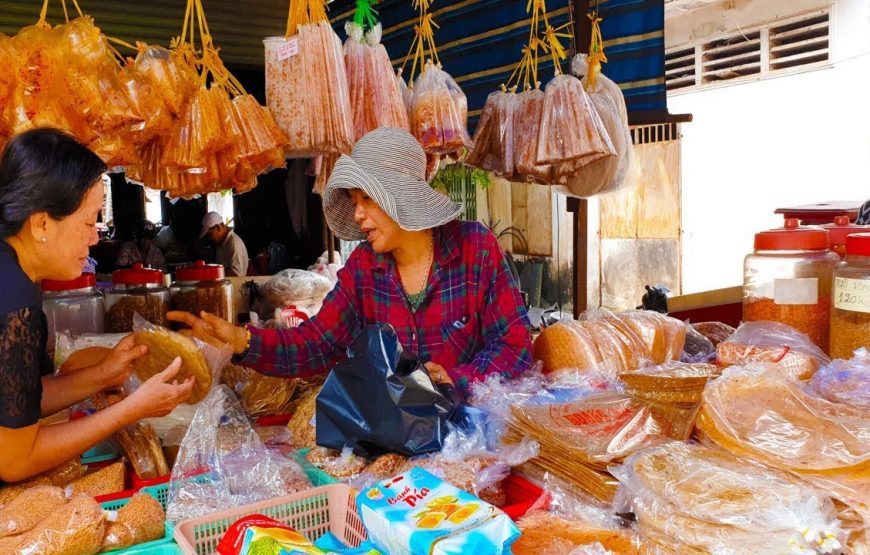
(389, 165)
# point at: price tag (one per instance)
(796, 291)
(288, 49)
(852, 294)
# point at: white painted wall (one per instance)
(755, 147)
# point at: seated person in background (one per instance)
(142, 249)
(230, 250)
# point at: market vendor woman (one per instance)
(444, 285)
(51, 191)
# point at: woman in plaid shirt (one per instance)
(444, 285)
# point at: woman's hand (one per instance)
(113, 370)
(438, 373)
(212, 330)
(161, 394)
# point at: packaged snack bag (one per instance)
(417, 513)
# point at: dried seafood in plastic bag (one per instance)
(307, 92)
(494, 140)
(790, 351)
(439, 112)
(571, 132)
(527, 127)
(607, 173)
(142, 448)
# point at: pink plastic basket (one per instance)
(312, 513)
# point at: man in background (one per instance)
(230, 250)
(142, 249)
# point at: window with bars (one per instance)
(797, 44)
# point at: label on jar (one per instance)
(288, 49)
(796, 291)
(852, 294)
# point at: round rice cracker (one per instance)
(163, 346)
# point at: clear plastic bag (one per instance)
(707, 501)
(439, 112)
(141, 520)
(375, 98)
(261, 144)
(493, 148)
(758, 413)
(608, 173)
(571, 132)
(171, 78)
(316, 117)
(548, 533)
(75, 527)
(28, 509)
(610, 343)
(67, 344)
(716, 332)
(790, 351)
(527, 127)
(143, 450)
(260, 395)
(222, 464)
(300, 288)
(845, 381)
(203, 362)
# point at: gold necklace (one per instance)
(425, 279)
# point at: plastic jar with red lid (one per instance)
(839, 230)
(850, 315)
(73, 306)
(788, 280)
(136, 290)
(202, 286)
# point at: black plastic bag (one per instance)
(381, 400)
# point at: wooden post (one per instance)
(579, 208)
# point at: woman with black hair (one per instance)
(51, 190)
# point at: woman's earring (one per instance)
(44, 239)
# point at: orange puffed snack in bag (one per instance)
(439, 112)
(175, 81)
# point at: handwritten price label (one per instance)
(288, 49)
(852, 294)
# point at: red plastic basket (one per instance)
(313, 513)
(277, 420)
(115, 496)
(523, 496)
(138, 483)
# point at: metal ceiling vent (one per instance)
(796, 44)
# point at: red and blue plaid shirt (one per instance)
(472, 320)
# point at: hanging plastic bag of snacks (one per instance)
(175, 82)
(306, 84)
(527, 124)
(494, 137)
(437, 109)
(571, 129)
(375, 98)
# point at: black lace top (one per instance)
(23, 333)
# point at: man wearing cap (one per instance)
(444, 285)
(142, 249)
(230, 250)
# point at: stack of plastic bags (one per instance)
(610, 343)
(691, 499)
(306, 84)
(756, 413)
